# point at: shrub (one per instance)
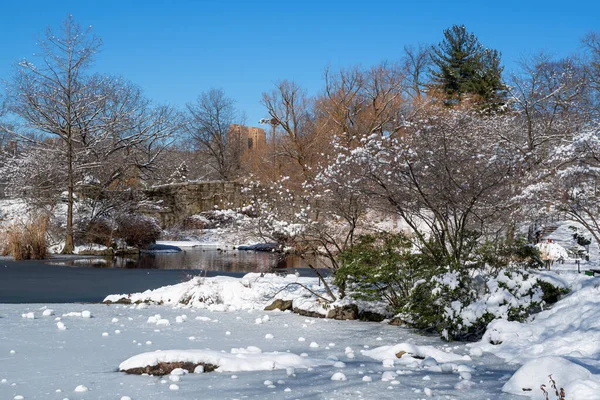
(452, 305)
(100, 231)
(27, 241)
(378, 267)
(508, 253)
(137, 230)
(437, 305)
(551, 293)
(457, 301)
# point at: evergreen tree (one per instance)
(463, 67)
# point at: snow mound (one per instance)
(570, 328)
(552, 251)
(389, 353)
(575, 379)
(251, 359)
(222, 293)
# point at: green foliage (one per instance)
(457, 301)
(463, 66)
(582, 240)
(508, 253)
(551, 293)
(379, 267)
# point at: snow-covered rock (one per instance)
(238, 360)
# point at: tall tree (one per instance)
(549, 97)
(464, 67)
(299, 144)
(101, 126)
(210, 123)
(591, 43)
(417, 62)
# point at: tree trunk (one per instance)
(69, 245)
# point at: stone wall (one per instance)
(171, 203)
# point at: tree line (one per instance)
(442, 138)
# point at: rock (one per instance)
(346, 312)
(165, 368)
(127, 251)
(306, 313)
(171, 203)
(396, 322)
(280, 304)
(161, 247)
(370, 316)
(260, 247)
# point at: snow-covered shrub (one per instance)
(432, 303)
(137, 230)
(460, 306)
(27, 241)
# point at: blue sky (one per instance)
(177, 49)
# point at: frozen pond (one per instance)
(206, 258)
(40, 361)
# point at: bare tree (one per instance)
(95, 119)
(210, 124)
(446, 178)
(417, 62)
(549, 96)
(591, 44)
(357, 103)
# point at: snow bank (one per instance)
(249, 359)
(222, 293)
(575, 379)
(571, 328)
(181, 243)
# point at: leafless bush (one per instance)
(100, 231)
(137, 230)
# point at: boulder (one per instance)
(260, 247)
(370, 316)
(162, 247)
(307, 313)
(280, 304)
(349, 311)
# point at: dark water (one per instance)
(205, 258)
(67, 279)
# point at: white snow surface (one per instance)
(181, 243)
(577, 381)
(47, 359)
(563, 341)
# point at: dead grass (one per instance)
(165, 368)
(27, 241)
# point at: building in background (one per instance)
(252, 140)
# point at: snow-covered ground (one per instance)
(74, 351)
(42, 361)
